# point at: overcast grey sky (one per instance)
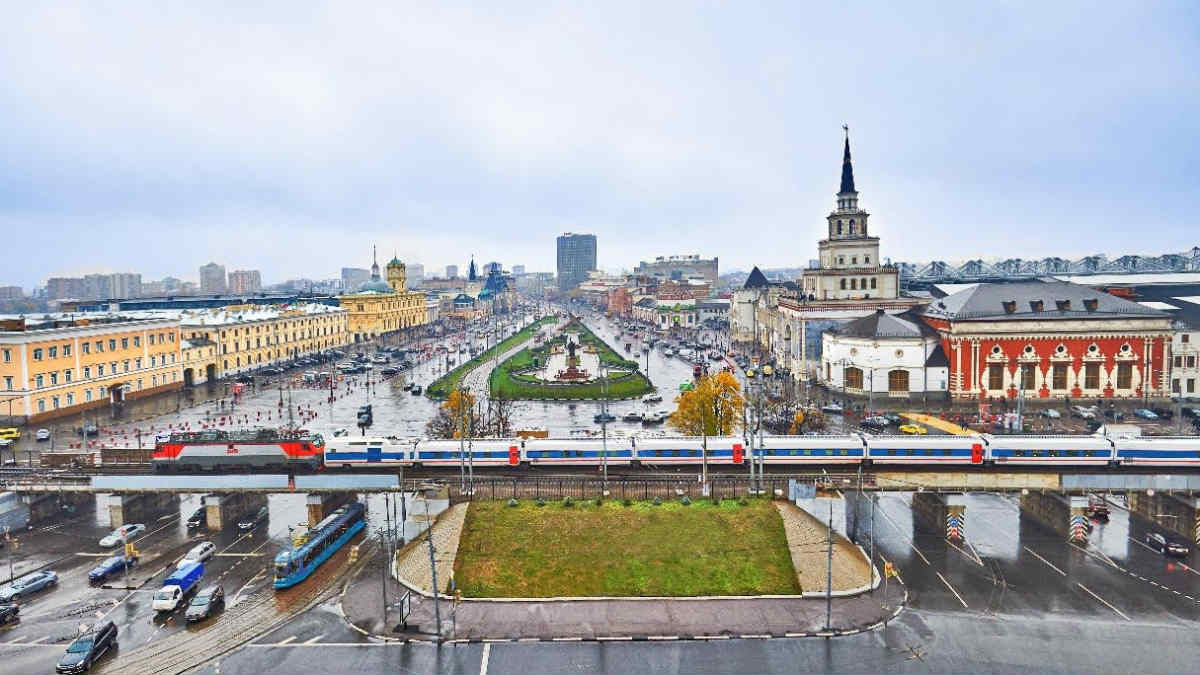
(289, 137)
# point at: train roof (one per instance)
(322, 529)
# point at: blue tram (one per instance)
(294, 566)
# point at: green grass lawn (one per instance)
(440, 388)
(617, 550)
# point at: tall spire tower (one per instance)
(847, 195)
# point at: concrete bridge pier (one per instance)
(1066, 515)
(942, 513)
(130, 508)
(322, 504)
(223, 510)
(1178, 514)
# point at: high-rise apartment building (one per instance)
(576, 257)
(354, 277)
(245, 281)
(451, 271)
(416, 275)
(125, 285)
(11, 293)
(212, 279)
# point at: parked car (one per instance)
(832, 408)
(199, 518)
(9, 613)
(913, 428)
(1163, 413)
(86, 649)
(1114, 414)
(1083, 412)
(110, 566)
(199, 553)
(206, 603)
(27, 585)
(893, 418)
(874, 423)
(89, 430)
(1167, 546)
(1145, 414)
(252, 519)
(1051, 413)
(1194, 413)
(245, 379)
(43, 434)
(122, 534)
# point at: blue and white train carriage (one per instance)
(562, 451)
(812, 449)
(925, 449)
(1161, 451)
(1049, 450)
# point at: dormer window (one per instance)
(1010, 306)
(1036, 305)
(1063, 305)
(1090, 304)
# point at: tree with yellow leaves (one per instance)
(455, 418)
(711, 408)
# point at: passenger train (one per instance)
(268, 450)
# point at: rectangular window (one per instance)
(87, 347)
(1178, 361)
(137, 341)
(154, 381)
(1191, 387)
(100, 370)
(66, 350)
(124, 343)
(37, 354)
(8, 356)
(113, 367)
(137, 364)
(153, 361)
(1124, 376)
(70, 399)
(152, 338)
(99, 346)
(1027, 377)
(112, 345)
(1191, 362)
(8, 382)
(53, 379)
(41, 405)
(1091, 376)
(1060, 376)
(87, 395)
(1185, 337)
(139, 384)
(54, 402)
(87, 372)
(67, 376)
(1175, 386)
(52, 353)
(103, 392)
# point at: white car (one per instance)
(43, 434)
(199, 553)
(122, 533)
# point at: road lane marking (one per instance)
(1032, 552)
(914, 547)
(312, 640)
(34, 642)
(1105, 602)
(973, 558)
(487, 651)
(960, 599)
(287, 640)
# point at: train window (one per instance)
(1018, 453)
(1071, 453)
(1052, 453)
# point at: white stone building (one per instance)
(897, 356)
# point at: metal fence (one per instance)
(719, 487)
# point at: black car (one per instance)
(206, 603)
(9, 613)
(1194, 413)
(245, 379)
(199, 518)
(1167, 546)
(88, 648)
(271, 371)
(1163, 413)
(252, 519)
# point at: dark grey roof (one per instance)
(884, 325)
(1035, 299)
(756, 279)
(937, 358)
(647, 302)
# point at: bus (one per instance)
(10, 432)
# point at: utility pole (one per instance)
(383, 575)
(437, 611)
(604, 422)
(829, 575)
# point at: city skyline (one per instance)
(1034, 145)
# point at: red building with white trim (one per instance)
(1051, 340)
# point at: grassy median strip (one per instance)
(584, 549)
(441, 387)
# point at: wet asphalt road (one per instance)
(1014, 597)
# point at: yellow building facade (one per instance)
(380, 307)
(63, 365)
(238, 338)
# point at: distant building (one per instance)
(576, 257)
(354, 277)
(212, 279)
(58, 288)
(11, 292)
(95, 287)
(679, 268)
(518, 269)
(493, 266)
(245, 281)
(125, 285)
(451, 271)
(416, 275)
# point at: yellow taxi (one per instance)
(913, 428)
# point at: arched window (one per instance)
(852, 227)
(853, 284)
(872, 283)
(839, 227)
(852, 378)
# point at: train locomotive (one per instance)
(274, 451)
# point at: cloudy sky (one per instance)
(289, 136)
